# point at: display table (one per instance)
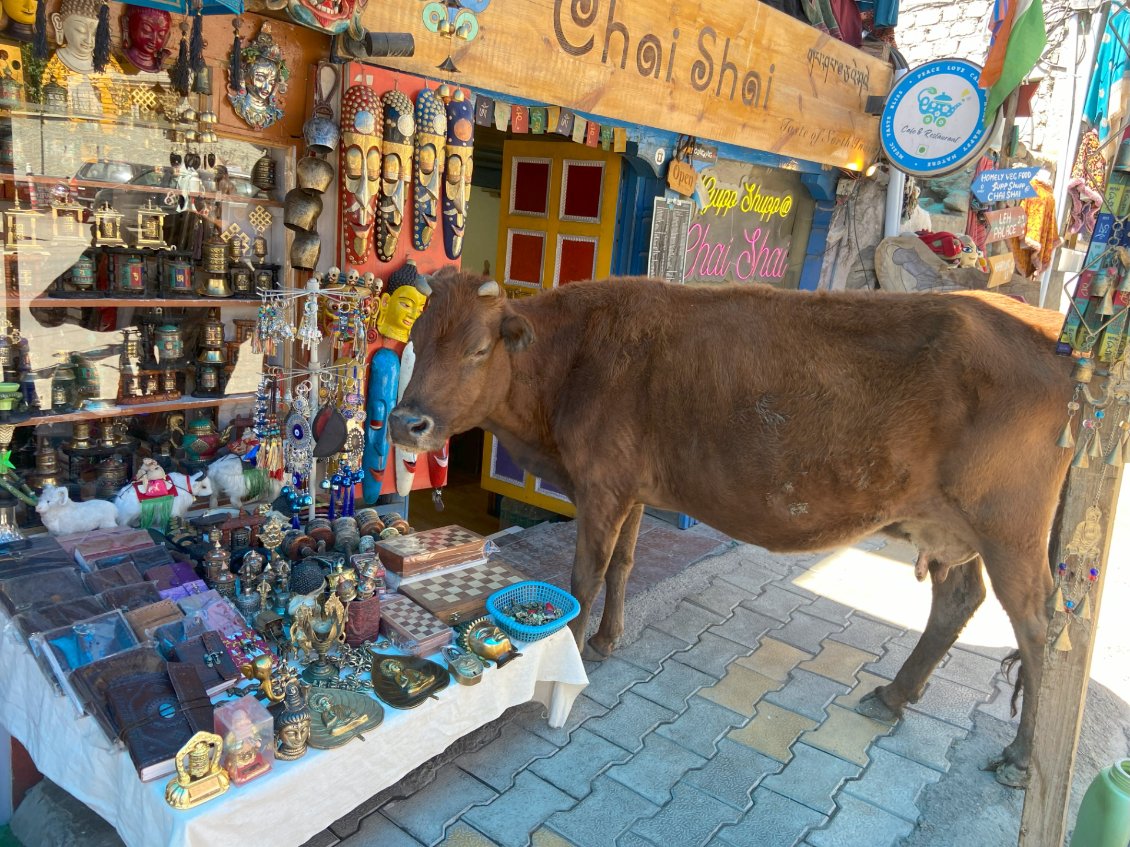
(295, 800)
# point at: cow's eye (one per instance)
(481, 353)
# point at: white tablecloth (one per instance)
(295, 800)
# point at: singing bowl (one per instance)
(301, 210)
(314, 174)
(305, 249)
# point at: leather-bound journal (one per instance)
(91, 682)
(213, 663)
(157, 713)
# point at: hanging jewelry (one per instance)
(299, 449)
(309, 332)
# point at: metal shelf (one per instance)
(138, 409)
(46, 302)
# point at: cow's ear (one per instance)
(516, 333)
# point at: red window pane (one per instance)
(582, 191)
(529, 192)
(526, 256)
(576, 259)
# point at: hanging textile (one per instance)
(874, 31)
(849, 22)
(973, 226)
(1034, 251)
(1109, 93)
(1085, 190)
(819, 14)
(792, 8)
(883, 13)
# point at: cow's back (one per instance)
(797, 419)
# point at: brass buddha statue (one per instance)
(71, 66)
(338, 719)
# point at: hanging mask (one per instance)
(396, 170)
(360, 168)
(457, 173)
(431, 128)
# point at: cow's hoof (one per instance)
(872, 706)
(1008, 773)
(592, 653)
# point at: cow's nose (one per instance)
(409, 425)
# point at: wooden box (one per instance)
(461, 595)
(411, 628)
(432, 549)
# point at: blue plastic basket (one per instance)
(529, 592)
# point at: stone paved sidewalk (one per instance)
(728, 721)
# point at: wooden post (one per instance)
(1063, 690)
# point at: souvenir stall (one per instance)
(214, 244)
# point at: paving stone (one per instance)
(511, 817)
(806, 632)
(789, 584)
(653, 771)
(893, 783)
(628, 723)
(691, 816)
(732, 774)
(630, 839)
(673, 685)
(375, 828)
(1000, 706)
(574, 767)
(806, 694)
(700, 726)
(923, 739)
(598, 819)
(325, 838)
(745, 627)
(424, 814)
(895, 655)
(712, 654)
(688, 622)
(548, 838)
(812, 777)
(774, 659)
(846, 734)
(740, 689)
(949, 701)
(721, 597)
(970, 669)
(864, 685)
(859, 824)
(829, 610)
(651, 649)
(497, 763)
(772, 731)
(774, 821)
(838, 661)
(612, 678)
(533, 718)
(867, 634)
(462, 835)
(775, 602)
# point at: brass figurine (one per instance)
(199, 775)
(322, 629)
(487, 641)
(338, 717)
(292, 724)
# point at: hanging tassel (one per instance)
(1066, 439)
(1096, 451)
(1057, 601)
(1085, 608)
(235, 60)
(180, 74)
(101, 38)
(196, 48)
(1063, 642)
(39, 44)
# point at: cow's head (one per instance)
(463, 343)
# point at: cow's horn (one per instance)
(489, 289)
(423, 286)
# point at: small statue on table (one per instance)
(199, 775)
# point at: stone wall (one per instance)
(937, 29)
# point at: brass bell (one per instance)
(216, 285)
(1114, 455)
(1081, 461)
(1066, 440)
(1096, 451)
(212, 356)
(1107, 306)
(1084, 371)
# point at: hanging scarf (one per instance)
(1109, 94)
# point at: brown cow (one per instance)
(792, 420)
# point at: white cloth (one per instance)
(294, 800)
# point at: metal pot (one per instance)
(301, 210)
(315, 174)
(305, 249)
(321, 130)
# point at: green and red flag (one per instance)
(1018, 41)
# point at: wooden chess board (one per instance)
(411, 627)
(461, 595)
(408, 555)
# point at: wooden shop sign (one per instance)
(1005, 223)
(1001, 269)
(738, 73)
(681, 177)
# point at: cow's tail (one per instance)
(1012, 660)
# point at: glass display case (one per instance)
(135, 241)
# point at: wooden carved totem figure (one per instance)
(361, 169)
(431, 129)
(396, 170)
(457, 183)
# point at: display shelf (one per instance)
(72, 183)
(138, 409)
(139, 302)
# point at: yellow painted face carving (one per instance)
(20, 11)
(399, 310)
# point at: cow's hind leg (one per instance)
(600, 516)
(1022, 583)
(615, 580)
(956, 598)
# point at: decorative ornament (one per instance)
(264, 80)
(196, 45)
(235, 58)
(145, 32)
(396, 170)
(361, 169)
(180, 74)
(431, 130)
(199, 775)
(457, 184)
(453, 19)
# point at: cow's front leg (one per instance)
(619, 568)
(599, 519)
(955, 600)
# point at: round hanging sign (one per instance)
(933, 122)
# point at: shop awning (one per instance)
(184, 7)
